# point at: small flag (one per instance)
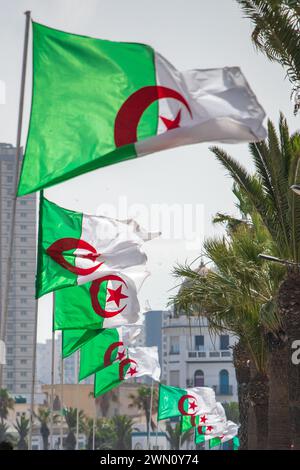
(218, 433)
(108, 346)
(174, 401)
(216, 415)
(139, 362)
(98, 102)
(75, 248)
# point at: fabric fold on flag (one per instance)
(118, 101)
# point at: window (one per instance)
(23, 251)
(23, 214)
(23, 301)
(23, 203)
(174, 345)
(174, 378)
(23, 361)
(9, 179)
(224, 342)
(9, 375)
(9, 167)
(9, 362)
(23, 373)
(23, 263)
(23, 227)
(199, 343)
(23, 275)
(23, 239)
(9, 350)
(23, 325)
(23, 386)
(23, 313)
(23, 349)
(23, 337)
(224, 382)
(23, 288)
(199, 378)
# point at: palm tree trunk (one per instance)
(259, 397)
(279, 420)
(289, 305)
(242, 372)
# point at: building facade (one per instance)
(17, 373)
(192, 357)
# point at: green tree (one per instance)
(71, 420)
(173, 434)
(276, 169)
(123, 427)
(142, 401)
(22, 427)
(6, 404)
(276, 33)
(232, 411)
(4, 434)
(44, 417)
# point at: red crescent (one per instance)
(109, 351)
(94, 290)
(193, 420)
(131, 111)
(123, 364)
(181, 404)
(55, 251)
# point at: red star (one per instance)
(132, 371)
(203, 419)
(193, 405)
(115, 295)
(172, 123)
(121, 355)
(91, 256)
(209, 428)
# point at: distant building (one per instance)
(17, 373)
(153, 329)
(193, 358)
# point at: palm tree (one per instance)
(6, 404)
(277, 34)
(71, 420)
(4, 434)
(44, 417)
(173, 434)
(123, 427)
(231, 298)
(22, 427)
(277, 168)
(142, 401)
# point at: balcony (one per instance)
(224, 355)
(223, 390)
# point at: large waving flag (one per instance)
(98, 102)
(174, 401)
(139, 362)
(108, 346)
(75, 248)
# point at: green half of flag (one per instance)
(100, 351)
(168, 401)
(74, 309)
(72, 340)
(200, 434)
(214, 442)
(187, 422)
(79, 86)
(109, 378)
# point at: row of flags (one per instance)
(95, 103)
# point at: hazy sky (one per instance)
(190, 34)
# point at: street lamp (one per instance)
(296, 188)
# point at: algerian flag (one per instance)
(108, 302)
(75, 248)
(220, 432)
(108, 346)
(174, 401)
(139, 362)
(72, 340)
(98, 102)
(216, 415)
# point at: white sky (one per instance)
(190, 34)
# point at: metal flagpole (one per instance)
(77, 400)
(11, 232)
(33, 374)
(150, 417)
(62, 403)
(94, 431)
(52, 375)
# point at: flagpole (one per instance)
(11, 232)
(150, 417)
(52, 374)
(33, 374)
(77, 400)
(94, 424)
(62, 402)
